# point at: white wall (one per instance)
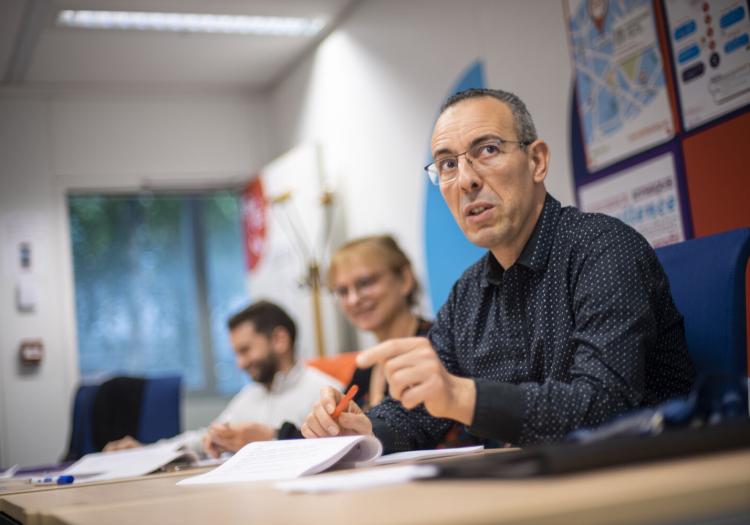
(370, 93)
(34, 410)
(50, 143)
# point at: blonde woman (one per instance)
(374, 283)
(376, 289)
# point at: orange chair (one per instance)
(339, 366)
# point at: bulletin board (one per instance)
(704, 51)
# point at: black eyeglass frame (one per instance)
(522, 144)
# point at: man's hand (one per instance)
(416, 375)
(319, 422)
(223, 437)
(122, 444)
(211, 448)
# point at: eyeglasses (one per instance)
(486, 154)
(362, 285)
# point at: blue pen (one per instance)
(53, 480)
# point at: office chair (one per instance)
(148, 409)
(81, 440)
(160, 411)
(340, 366)
(707, 279)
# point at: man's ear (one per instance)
(281, 342)
(538, 154)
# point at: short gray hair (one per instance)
(522, 118)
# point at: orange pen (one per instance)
(345, 401)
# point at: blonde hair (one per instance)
(379, 247)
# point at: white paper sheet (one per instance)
(363, 479)
(124, 463)
(398, 457)
(275, 460)
(9, 473)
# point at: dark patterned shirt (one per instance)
(581, 328)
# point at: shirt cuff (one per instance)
(288, 430)
(385, 434)
(498, 412)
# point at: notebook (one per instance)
(289, 459)
(101, 466)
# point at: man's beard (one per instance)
(265, 371)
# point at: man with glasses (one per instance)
(565, 322)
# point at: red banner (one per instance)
(255, 220)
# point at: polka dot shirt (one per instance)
(581, 328)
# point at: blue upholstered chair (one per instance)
(81, 441)
(707, 278)
(159, 414)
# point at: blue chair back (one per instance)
(159, 415)
(81, 441)
(707, 278)
(160, 409)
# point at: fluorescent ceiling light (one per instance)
(192, 23)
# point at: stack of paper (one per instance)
(284, 460)
(358, 480)
(273, 460)
(125, 463)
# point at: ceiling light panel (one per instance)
(191, 23)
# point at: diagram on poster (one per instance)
(711, 50)
(645, 197)
(622, 95)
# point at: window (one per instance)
(156, 277)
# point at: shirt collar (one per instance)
(536, 251)
(283, 380)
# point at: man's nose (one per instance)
(468, 178)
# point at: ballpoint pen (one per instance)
(345, 401)
(53, 480)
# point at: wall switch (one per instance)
(26, 294)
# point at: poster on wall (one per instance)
(645, 197)
(621, 89)
(285, 229)
(711, 50)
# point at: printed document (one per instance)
(140, 461)
(280, 460)
(274, 460)
(359, 479)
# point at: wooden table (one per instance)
(666, 492)
(31, 504)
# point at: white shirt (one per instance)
(290, 398)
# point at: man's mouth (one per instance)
(475, 210)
